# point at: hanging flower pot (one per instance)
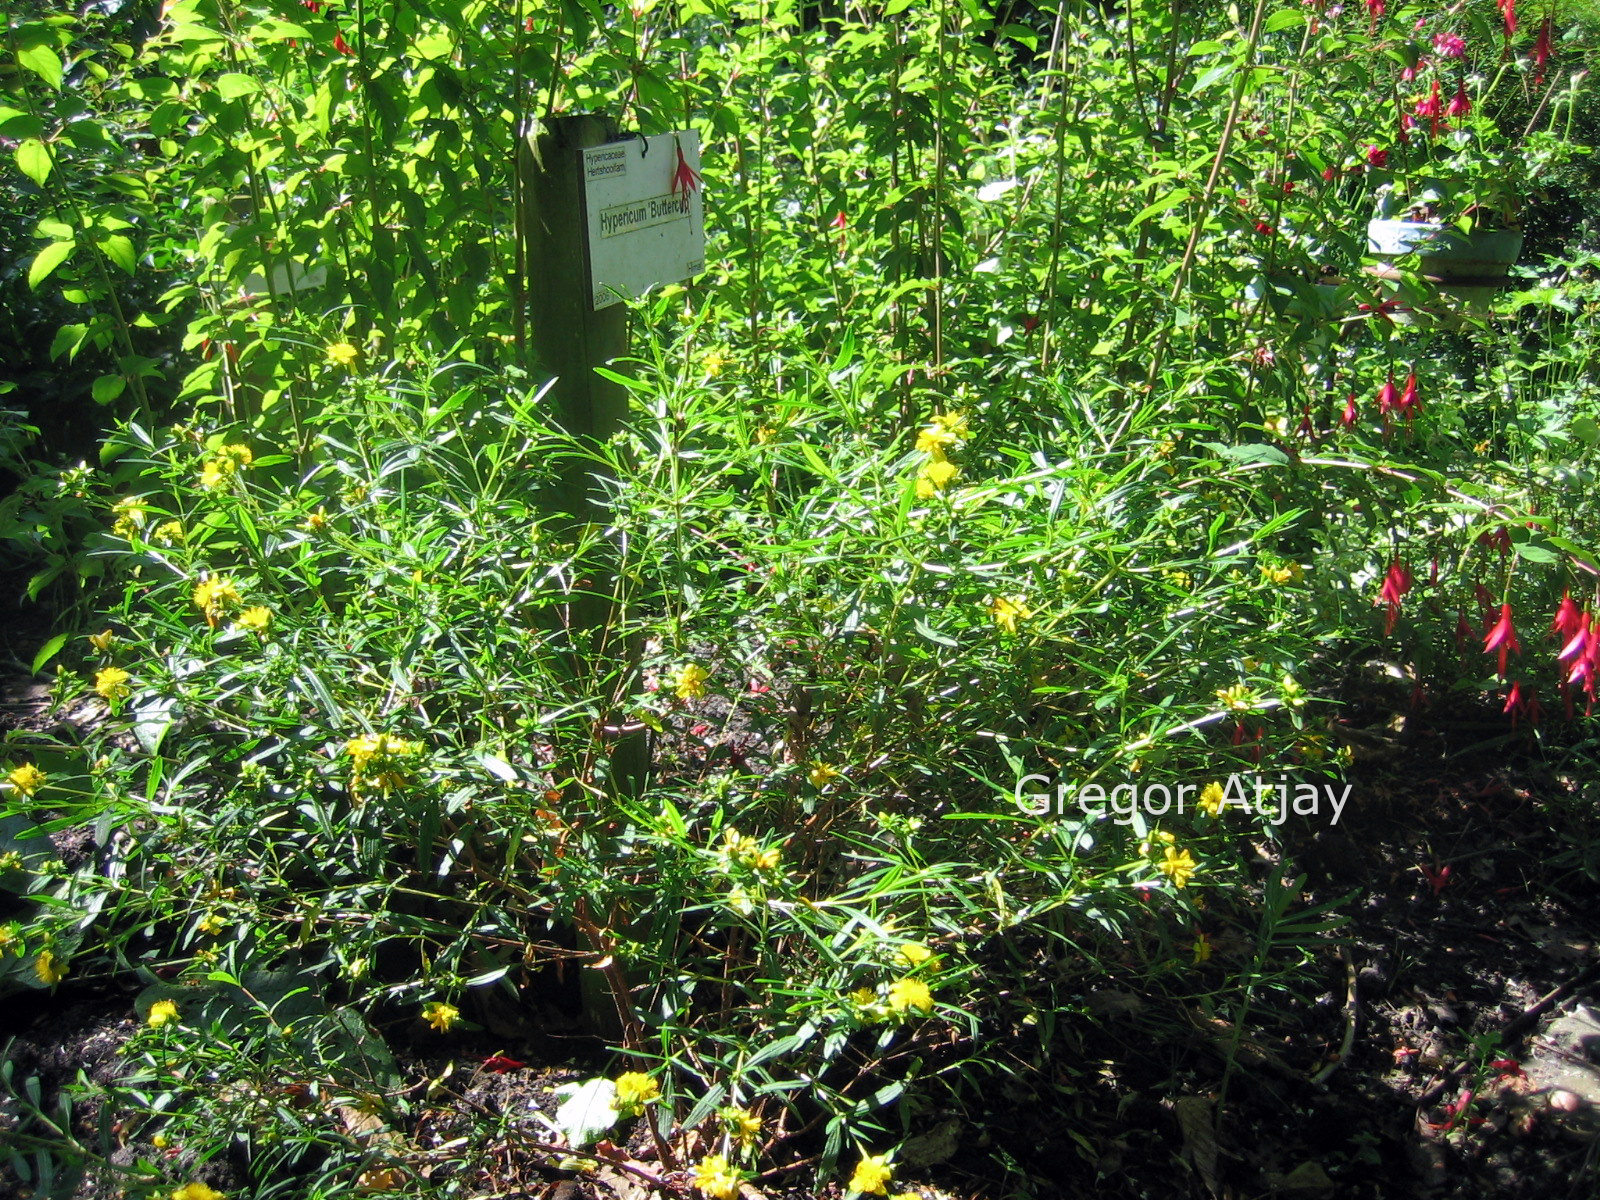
(1469, 265)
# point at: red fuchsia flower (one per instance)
(1264, 229)
(1407, 74)
(1349, 416)
(314, 5)
(1496, 539)
(1448, 45)
(1508, 9)
(840, 221)
(1523, 706)
(1438, 877)
(340, 45)
(1460, 104)
(1508, 1068)
(1486, 605)
(1575, 649)
(1375, 8)
(1388, 400)
(1502, 639)
(1569, 617)
(1408, 404)
(500, 1064)
(1029, 323)
(1377, 157)
(1432, 107)
(1329, 174)
(1396, 583)
(1541, 49)
(685, 177)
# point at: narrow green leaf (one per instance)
(48, 651)
(51, 257)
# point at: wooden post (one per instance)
(569, 338)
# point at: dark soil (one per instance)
(1466, 869)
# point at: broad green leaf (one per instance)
(33, 160)
(14, 123)
(235, 84)
(107, 388)
(119, 249)
(44, 62)
(1284, 18)
(51, 257)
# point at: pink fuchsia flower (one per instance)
(1502, 639)
(1375, 8)
(1508, 9)
(840, 221)
(1449, 45)
(1460, 104)
(1377, 157)
(1349, 416)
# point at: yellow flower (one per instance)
(375, 755)
(635, 1089)
(214, 472)
(906, 994)
(933, 440)
(49, 971)
(213, 596)
(257, 619)
(103, 641)
(238, 454)
(934, 477)
(11, 938)
(1281, 574)
(1294, 692)
(766, 860)
(714, 363)
(912, 954)
(1211, 798)
(1238, 698)
(1202, 948)
(162, 1012)
(1178, 866)
(112, 683)
(821, 775)
(27, 779)
(742, 1125)
(170, 533)
(872, 1175)
(128, 517)
(689, 681)
(440, 1015)
(197, 1191)
(318, 521)
(342, 354)
(953, 423)
(1008, 610)
(713, 1176)
(211, 925)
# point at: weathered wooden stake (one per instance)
(569, 339)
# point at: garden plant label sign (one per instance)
(645, 214)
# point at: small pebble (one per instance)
(1565, 1101)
